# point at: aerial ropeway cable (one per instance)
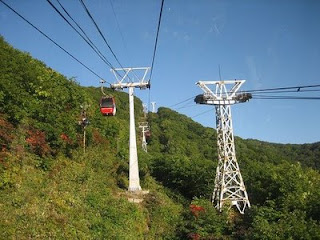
(286, 98)
(152, 63)
(82, 34)
(156, 41)
(100, 32)
(50, 39)
(281, 93)
(298, 88)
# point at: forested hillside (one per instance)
(50, 188)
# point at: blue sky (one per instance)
(269, 43)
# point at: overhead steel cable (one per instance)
(156, 41)
(186, 106)
(197, 115)
(101, 34)
(287, 91)
(265, 93)
(282, 88)
(286, 97)
(50, 39)
(186, 100)
(122, 37)
(155, 50)
(118, 25)
(86, 39)
(85, 35)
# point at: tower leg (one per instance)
(229, 186)
(134, 180)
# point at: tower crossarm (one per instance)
(217, 92)
(143, 125)
(126, 81)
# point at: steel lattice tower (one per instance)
(229, 186)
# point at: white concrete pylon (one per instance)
(140, 82)
(134, 179)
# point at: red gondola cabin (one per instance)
(108, 106)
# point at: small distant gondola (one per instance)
(147, 135)
(108, 106)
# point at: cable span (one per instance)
(283, 88)
(202, 113)
(118, 25)
(122, 38)
(92, 45)
(289, 91)
(50, 39)
(156, 42)
(286, 98)
(101, 34)
(186, 106)
(154, 51)
(188, 99)
(87, 40)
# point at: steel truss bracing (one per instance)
(133, 81)
(229, 187)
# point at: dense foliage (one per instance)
(283, 190)
(50, 188)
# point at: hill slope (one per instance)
(49, 188)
